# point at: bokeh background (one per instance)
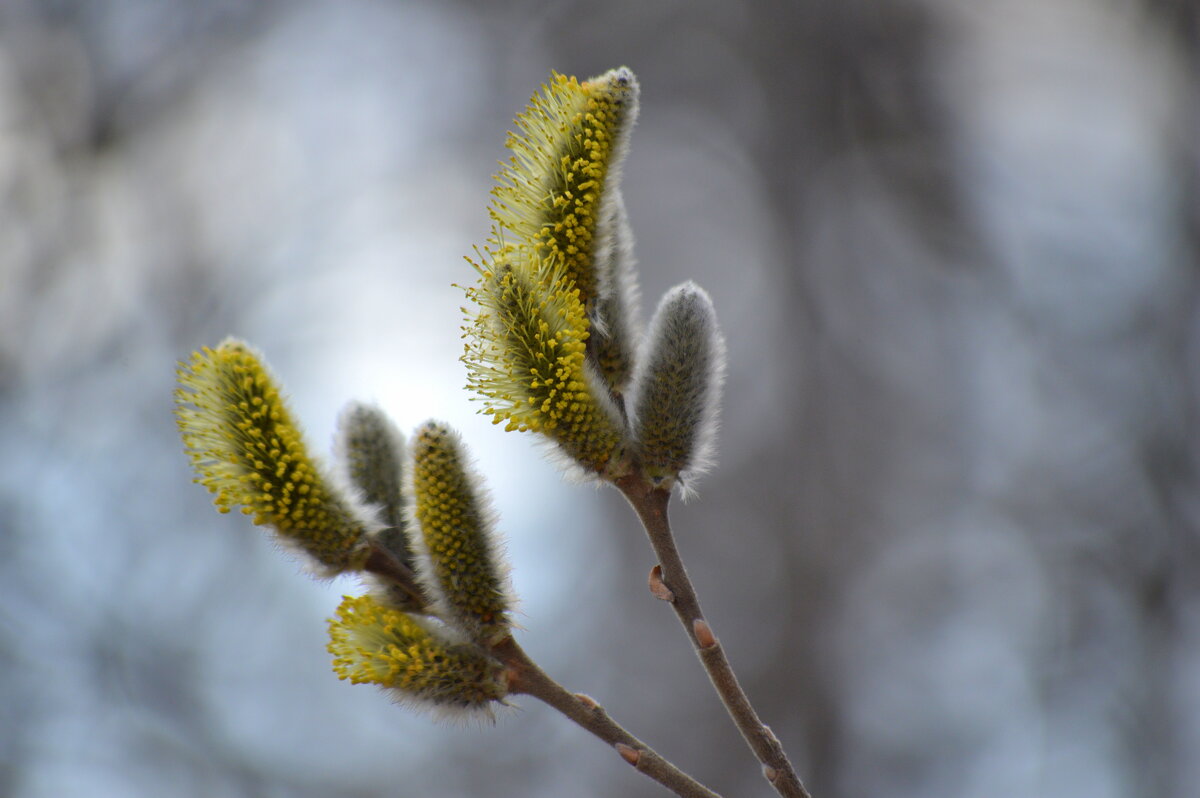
(951, 541)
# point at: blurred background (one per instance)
(951, 542)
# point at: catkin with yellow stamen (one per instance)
(526, 353)
(559, 196)
(552, 193)
(373, 643)
(463, 568)
(246, 448)
(676, 392)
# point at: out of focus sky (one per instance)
(950, 543)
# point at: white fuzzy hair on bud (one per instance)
(676, 391)
(615, 309)
(614, 314)
(371, 456)
(369, 452)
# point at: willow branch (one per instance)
(670, 582)
(527, 678)
(382, 562)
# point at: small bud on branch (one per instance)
(658, 588)
(704, 633)
(629, 753)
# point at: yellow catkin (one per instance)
(526, 354)
(455, 526)
(246, 449)
(549, 195)
(549, 270)
(373, 643)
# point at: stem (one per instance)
(650, 503)
(382, 562)
(526, 677)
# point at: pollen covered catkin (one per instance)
(550, 347)
(373, 643)
(555, 193)
(676, 391)
(462, 567)
(246, 448)
(526, 353)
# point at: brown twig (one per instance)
(382, 562)
(527, 678)
(650, 503)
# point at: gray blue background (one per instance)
(950, 543)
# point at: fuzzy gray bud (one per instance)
(371, 454)
(677, 390)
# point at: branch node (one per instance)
(587, 701)
(658, 588)
(629, 753)
(704, 633)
